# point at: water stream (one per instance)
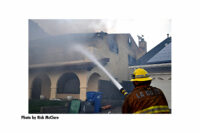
(82, 50)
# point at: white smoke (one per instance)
(65, 26)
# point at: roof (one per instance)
(64, 39)
(163, 56)
(72, 65)
(35, 31)
(159, 54)
(155, 68)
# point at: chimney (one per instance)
(142, 45)
(167, 35)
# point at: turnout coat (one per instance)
(145, 99)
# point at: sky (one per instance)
(154, 31)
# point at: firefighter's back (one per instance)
(145, 99)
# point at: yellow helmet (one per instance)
(140, 75)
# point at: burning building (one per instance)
(55, 71)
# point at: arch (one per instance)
(41, 85)
(36, 88)
(68, 83)
(93, 82)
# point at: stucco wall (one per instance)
(163, 81)
(118, 63)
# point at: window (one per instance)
(112, 43)
(129, 41)
(131, 60)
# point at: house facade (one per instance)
(57, 72)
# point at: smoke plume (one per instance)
(65, 26)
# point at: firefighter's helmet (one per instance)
(140, 75)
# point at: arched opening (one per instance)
(93, 82)
(41, 86)
(68, 83)
(36, 88)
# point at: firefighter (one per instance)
(144, 98)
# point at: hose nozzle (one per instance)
(123, 91)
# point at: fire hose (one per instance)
(123, 91)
